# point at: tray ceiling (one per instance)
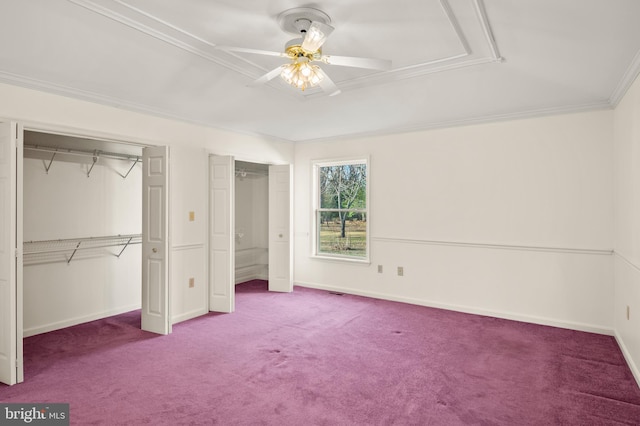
(454, 61)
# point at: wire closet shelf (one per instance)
(95, 156)
(68, 247)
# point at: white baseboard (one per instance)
(45, 328)
(189, 315)
(468, 309)
(250, 277)
(627, 356)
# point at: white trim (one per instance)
(133, 17)
(78, 320)
(108, 101)
(81, 133)
(488, 119)
(315, 201)
(131, 22)
(188, 315)
(407, 73)
(630, 263)
(627, 356)
(625, 351)
(599, 252)
(356, 260)
(455, 24)
(626, 81)
(481, 12)
(590, 328)
(95, 98)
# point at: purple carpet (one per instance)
(315, 358)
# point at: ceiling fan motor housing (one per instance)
(297, 20)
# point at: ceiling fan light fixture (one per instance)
(301, 74)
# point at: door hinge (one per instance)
(17, 252)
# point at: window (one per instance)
(341, 209)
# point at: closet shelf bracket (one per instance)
(135, 161)
(125, 246)
(95, 160)
(53, 250)
(95, 155)
(74, 252)
(46, 168)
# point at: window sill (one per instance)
(342, 259)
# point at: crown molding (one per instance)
(99, 99)
(521, 115)
(626, 81)
(84, 95)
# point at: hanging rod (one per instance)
(95, 155)
(73, 245)
(245, 173)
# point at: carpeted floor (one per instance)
(315, 358)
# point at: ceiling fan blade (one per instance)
(352, 61)
(327, 84)
(267, 77)
(316, 36)
(254, 51)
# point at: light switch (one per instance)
(192, 282)
(192, 216)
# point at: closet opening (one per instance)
(87, 235)
(82, 230)
(251, 222)
(250, 228)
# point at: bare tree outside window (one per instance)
(342, 213)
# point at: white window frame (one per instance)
(316, 165)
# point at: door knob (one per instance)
(155, 250)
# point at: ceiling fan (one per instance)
(312, 27)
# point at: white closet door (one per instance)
(221, 233)
(155, 240)
(10, 254)
(280, 230)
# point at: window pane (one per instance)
(342, 233)
(343, 186)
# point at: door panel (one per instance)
(11, 253)
(155, 240)
(221, 231)
(280, 230)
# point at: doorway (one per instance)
(82, 230)
(251, 221)
(229, 235)
(151, 237)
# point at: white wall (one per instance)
(63, 204)
(627, 226)
(189, 249)
(252, 228)
(511, 219)
(189, 145)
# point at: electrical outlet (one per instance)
(379, 269)
(400, 271)
(192, 282)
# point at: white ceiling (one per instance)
(454, 61)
